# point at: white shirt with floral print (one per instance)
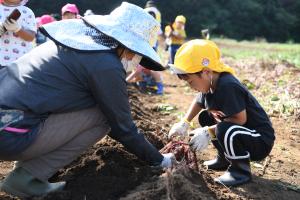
(13, 47)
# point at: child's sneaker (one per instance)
(160, 88)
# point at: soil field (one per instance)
(108, 171)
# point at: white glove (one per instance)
(179, 128)
(12, 25)
(2, 29)
(200, 139)
(168, 161)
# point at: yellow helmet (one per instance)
(180, 18)
(195, 55)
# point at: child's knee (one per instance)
(205, 119)
(221, 130)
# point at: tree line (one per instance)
(273, 20)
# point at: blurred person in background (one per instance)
(69, 11)
(147, 78)
(88, 12)
(175, 36)
(152, 7)
(16, 36)
(44, 19)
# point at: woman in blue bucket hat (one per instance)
(68, 93)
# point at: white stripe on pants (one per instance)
(228, 139)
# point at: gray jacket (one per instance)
(54, 79)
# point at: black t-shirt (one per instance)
(231, 97)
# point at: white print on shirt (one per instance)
(13, 47)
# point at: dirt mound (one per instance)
(181, 183)
(106, 171)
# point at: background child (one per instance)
(69, 11)
(152, 9)
(147, 80)
(16, 36)
(175, 35)
(44, 19)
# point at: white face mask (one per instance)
(129, 65)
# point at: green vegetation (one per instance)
(260, 50)
(274, 20)
(165, 108)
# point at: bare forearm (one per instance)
(239, 118)
(131, 76)
(193, 110)
(26, 35)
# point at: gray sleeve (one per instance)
(200, 99)
(110, 91)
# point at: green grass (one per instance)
(260, 50)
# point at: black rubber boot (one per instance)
(238, 173)
(220, 163)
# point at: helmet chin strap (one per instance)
(120, 52)
(211, 85)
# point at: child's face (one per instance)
(12, 2)
(179, 25)
(198, 81)
(69, 15)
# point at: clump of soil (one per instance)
(106, 171)
(181, 183)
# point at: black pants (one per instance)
(236, 142)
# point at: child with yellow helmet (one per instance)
(229, 115)
(175, 36)
(150, 78)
